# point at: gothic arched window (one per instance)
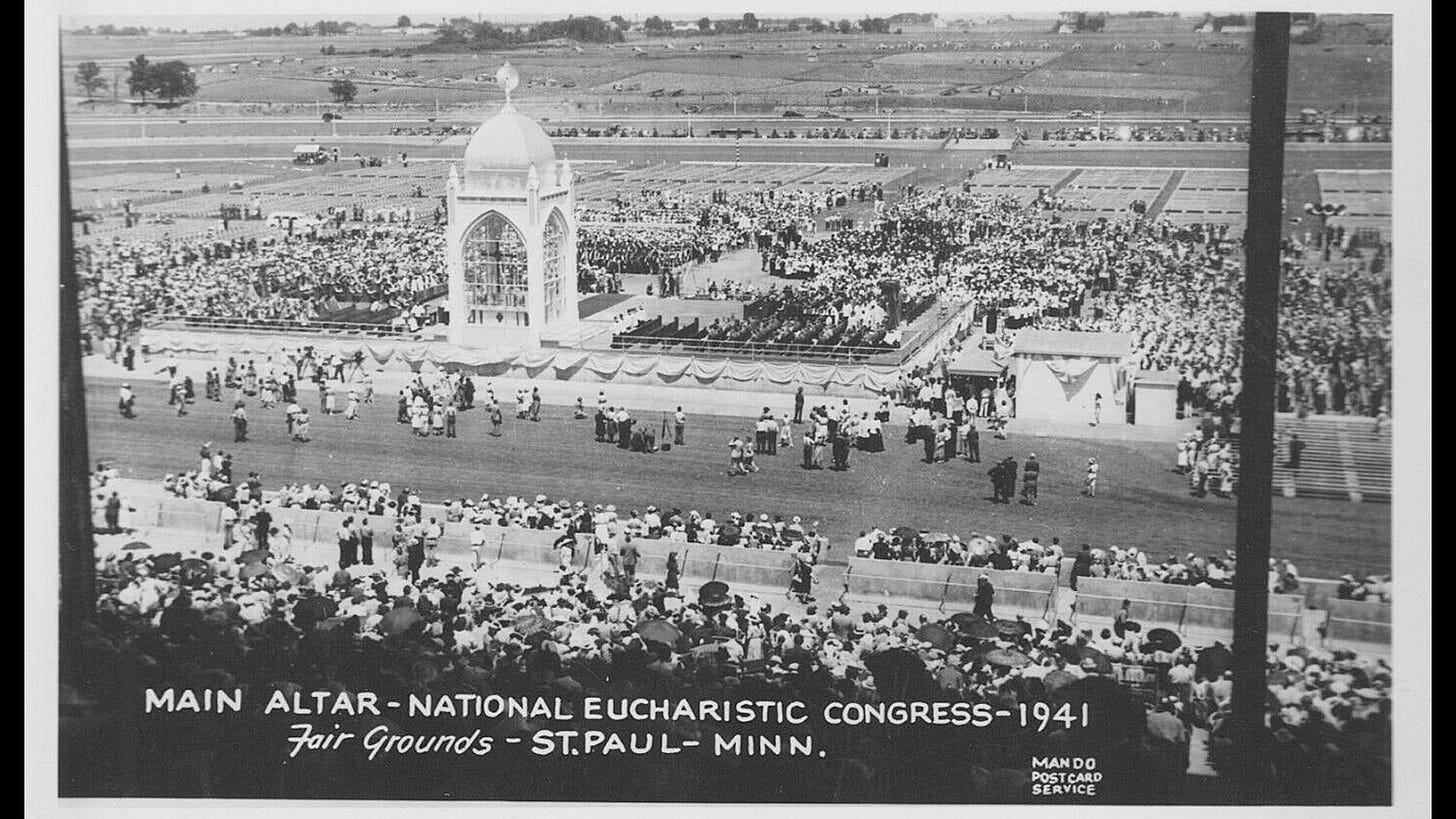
(554, 247)
(493, 258)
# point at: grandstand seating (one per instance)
(1344, 458)
(1209, 196)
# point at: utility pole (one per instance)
(1268, 101)
(77, 545)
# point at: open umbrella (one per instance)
(975, 627)
(1161, 639)
(194, 571)
(287, 573)
(1214, 660)
(254, 556)
(729, 534)
(714, 593)
(1058, 679)
(659, 631)
(1134, 626)
(937, 635)
(136, 545)
(252, 570)
(937, 537)
(166, 562)
(312, 610)
(906, 534)
(401, 621)
(894, 671)
(1009, 657)
(1012, 628)
(1081, 654)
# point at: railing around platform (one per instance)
(752, 349)
(252, 325)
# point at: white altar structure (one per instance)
(511, 234)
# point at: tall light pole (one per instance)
(1268, 101)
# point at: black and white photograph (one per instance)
(521, 405)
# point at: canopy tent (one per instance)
(306, 148)
(1059, 375)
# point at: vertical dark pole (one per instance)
(77, 548)
(1256, 441)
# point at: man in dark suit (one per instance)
(973, 443)
(799, 406)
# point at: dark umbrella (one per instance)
(729, 533)
(713, 594)
(1215, 660)
(1012, 628)
(1161, 639)
(937, 635)
(166, 562)
(975, 627)
(894, 670)
(311, 610)
(252, 570)
(401, 621)
(1009, 657)
(1081, 654)
(136, 545)
(225, 493)
(1134, 626)
(254, 556)
(194, 571)
(906, 534)
(659, 631)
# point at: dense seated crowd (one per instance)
(280, 624)
(278, 278)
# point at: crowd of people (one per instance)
(290, 279)
(275, 623)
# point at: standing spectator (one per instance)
(1089, 486)
(985, 596)
(799, 405)
(679, 425)
(348, 543)
(1030, 475)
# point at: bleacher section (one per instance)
(1021, 183)
(1112, 190)
(1366, 195)
(694, 180)
(108, 191)
(1209, 196)
(1344, 459)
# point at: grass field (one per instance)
(1140, 502)
(1114, 69)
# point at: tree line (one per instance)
(464, 33)
(167, 80)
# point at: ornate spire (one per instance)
(533, 179)
(507, 77)
(563, 173)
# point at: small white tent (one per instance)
(1059, 374)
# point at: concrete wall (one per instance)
(1359, 622)
(1184, 608)
(1025, 593)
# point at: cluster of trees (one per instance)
(168, 80)
(749, 22)
(1219, 23)
(109, 30)
(1081, 21)
(344, 91)
(322, 28)
(462, 32)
